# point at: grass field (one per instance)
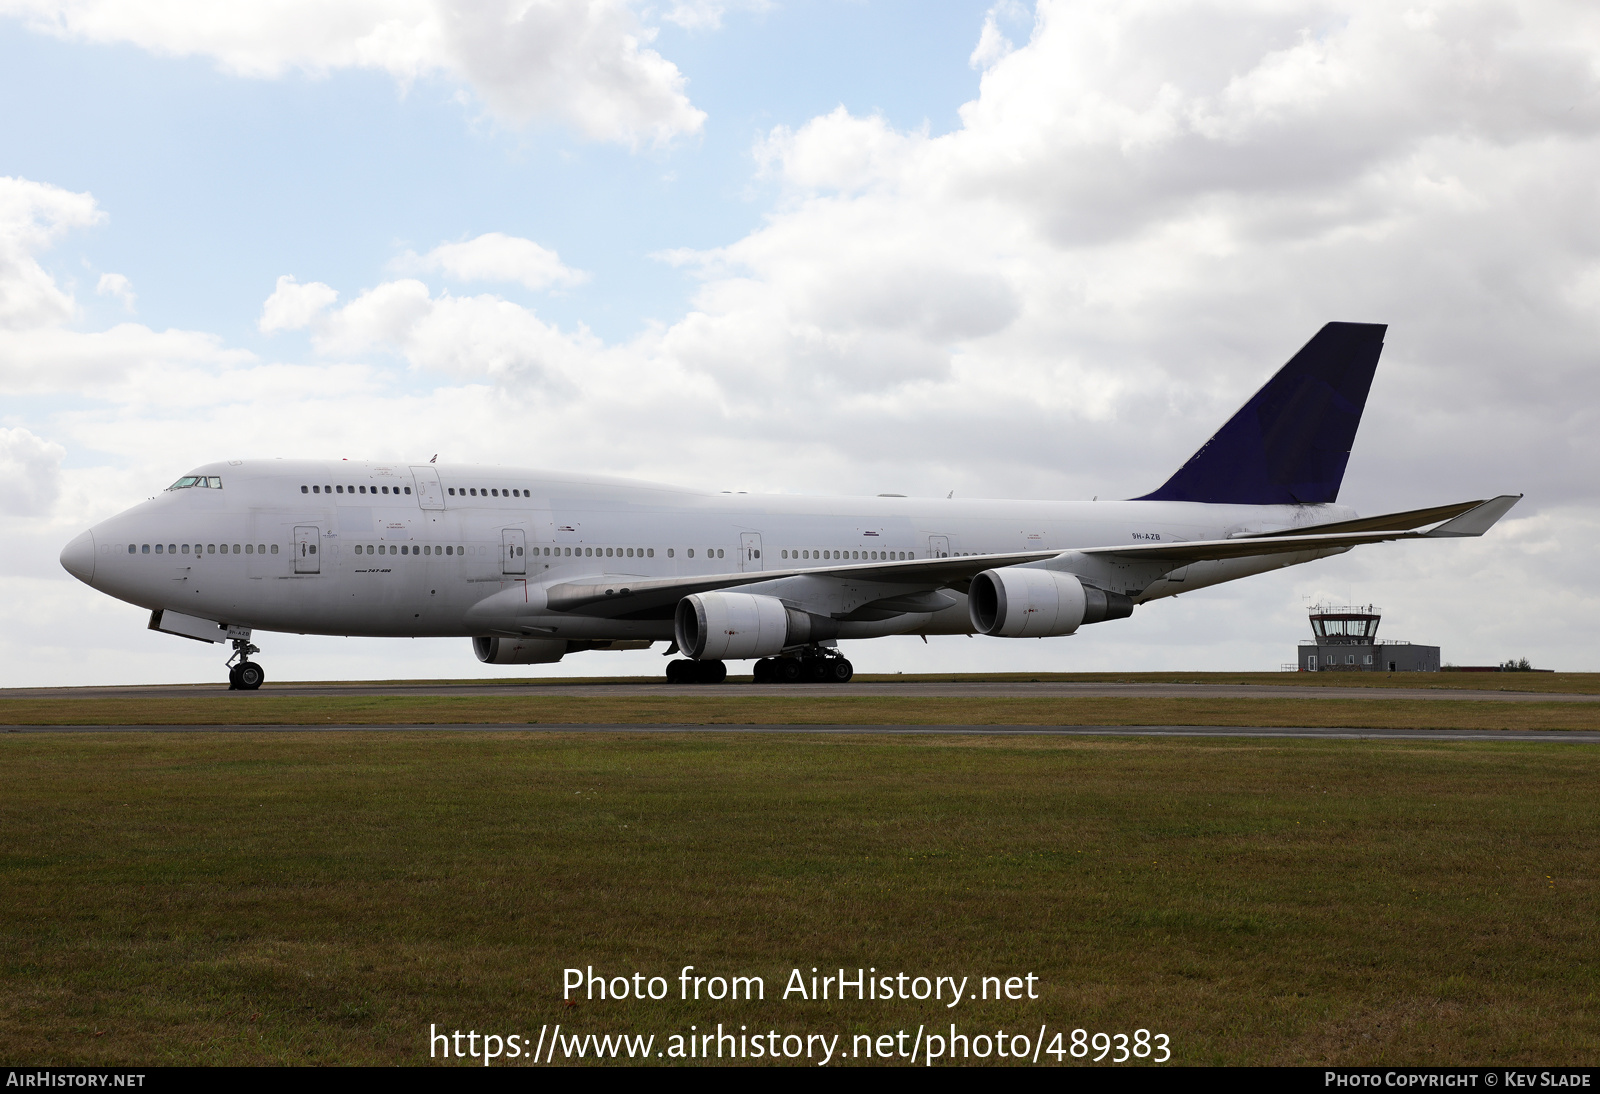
(258, 898)
(699, 707)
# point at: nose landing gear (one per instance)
(246, 675)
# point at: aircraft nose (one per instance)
(77, 558)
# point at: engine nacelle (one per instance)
(519, 651)
(732, 626)
(1026, 602)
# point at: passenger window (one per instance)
(608, 552)
(316, 489)
(159, 549)
(669, 552)
(473, 491)
(339, 489)
(249, 548)
(145, 549)
(449, 550)
(651, 552)
(274, 548)
(408, 489)
(185, 548)
(494, 493)
(261, 548)
(363, 489)
(385, 489)
(719, 553)
(691, 552)
(211, 548)
(452, 491)
(460, 550)
(303, 490)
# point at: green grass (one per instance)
(708, 707)
(245, 898)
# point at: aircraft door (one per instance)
(430, 495)
(513, 549)
(750, 552)
(307, 538)
(938, 546)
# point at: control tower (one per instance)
(1345, 639)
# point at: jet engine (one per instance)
(519, 651)
(732, 626)
(1026, 602)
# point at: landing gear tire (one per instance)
(762, 672)
(786, 670)
(233, 677)
(246, 676)
(838, 670)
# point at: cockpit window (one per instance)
(200, 482)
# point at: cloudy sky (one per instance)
(845, 246)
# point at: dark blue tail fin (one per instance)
(1289, 444)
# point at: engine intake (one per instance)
(1026, 602)
(732, 626)
(519, 651)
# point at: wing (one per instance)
(653, 598)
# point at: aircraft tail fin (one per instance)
(1290, 443)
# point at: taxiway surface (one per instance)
(998, 689)
(1311, 732)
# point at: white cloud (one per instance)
(495, 256)
(992, 41)
(40, 350)
(707, 14)
(32, 215)
(585, 62)
(118, 286)
(293, 306)
(30, 473)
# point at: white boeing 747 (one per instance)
(533, 565)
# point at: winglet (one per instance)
(1475, 521)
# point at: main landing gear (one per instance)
(809, 668)
(246, 675)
